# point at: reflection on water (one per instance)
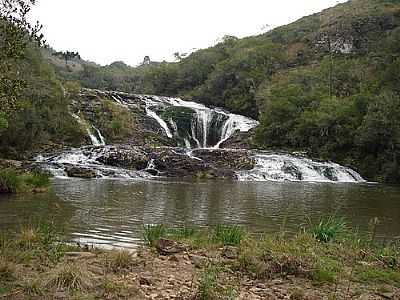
(112, 213)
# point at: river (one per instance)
(111, 213)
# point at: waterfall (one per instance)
(285, 167)
(209, 127)
(96, 140)
(160, 121)
(102, 141)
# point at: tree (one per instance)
(15, 34)
(67, 55)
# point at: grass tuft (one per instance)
(208, 283)
(228, 235)
(7, 270)
(152, 233)
(118, 261)
(70, 276)
(328, 229)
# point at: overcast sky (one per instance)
(105, 31)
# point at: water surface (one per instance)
(111, 213)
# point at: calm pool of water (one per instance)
(112, 213)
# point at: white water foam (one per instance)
(285, 167)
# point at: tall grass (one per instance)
(12, 181)
(208, 283)
(70, 276)
(328, 229)
(37, 179)
(152, 233)
(228, 235)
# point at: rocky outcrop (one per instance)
(240, 140)
(235, 160)
(92, 162)
(79, 172)
(134, 158)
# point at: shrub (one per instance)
(328, 229)
(228, 235)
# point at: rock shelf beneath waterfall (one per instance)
(141, 162)
(111, 161)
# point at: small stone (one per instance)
(145, 281)
(60, 295)
(199, 261)
(231, 252)
(168, 247)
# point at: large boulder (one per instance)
(80, 172)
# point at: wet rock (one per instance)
(39, 190)
(130, 158)
(168, 247)
(233, 160)
(174, 162)
(291, 169)
(80, 172)
(240, 140)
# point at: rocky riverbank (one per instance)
(222, 263)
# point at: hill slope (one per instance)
(327, 84)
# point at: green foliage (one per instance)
(228, 235)
(207, 289)
(328, 229)
(115, 122)
(372, 274)
(327, 270)
(184, 232)
(12, 181)
(152, 233)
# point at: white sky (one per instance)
(105, 31)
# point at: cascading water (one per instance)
(208, 128)
(285, 167)
(194, 126)
(96, 140)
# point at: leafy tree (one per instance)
(14, 29)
